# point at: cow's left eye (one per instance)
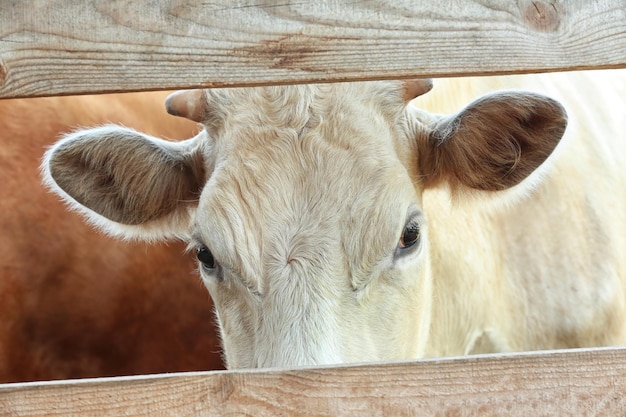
(206, 258)
(410, 235)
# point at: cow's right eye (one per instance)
(206, 258)
(410, 235)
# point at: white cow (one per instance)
(333, 223)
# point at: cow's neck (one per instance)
(467, 284)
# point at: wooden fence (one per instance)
(575, 383)
(57, 47)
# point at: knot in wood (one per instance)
(541, 16)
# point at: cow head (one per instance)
(304, 204)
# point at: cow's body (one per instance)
(75, 303)
(548, 271)
(334, 225)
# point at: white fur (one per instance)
(309, 193)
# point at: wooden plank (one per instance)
(565, 383)
(55, 47)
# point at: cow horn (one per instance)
(190, 104)
(415, 88)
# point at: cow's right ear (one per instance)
(492, 144)
(128, 183)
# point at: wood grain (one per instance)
(56, 47)
(564, 383)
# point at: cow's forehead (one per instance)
(319, 171)
(317, 140)
(246, 114)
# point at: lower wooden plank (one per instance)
(589, 382)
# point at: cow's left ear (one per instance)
(494, 143)
(128, 183)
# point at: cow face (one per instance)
(303, 204)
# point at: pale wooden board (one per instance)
(54, 47)
(565, 383)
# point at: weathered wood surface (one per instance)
(55, 47)
(565, 383)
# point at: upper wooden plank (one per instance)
(55, 47)
(565, 383)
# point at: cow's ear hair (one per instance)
(494, 143)
(126, 182)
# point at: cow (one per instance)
(75, 303)
(339, 223)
